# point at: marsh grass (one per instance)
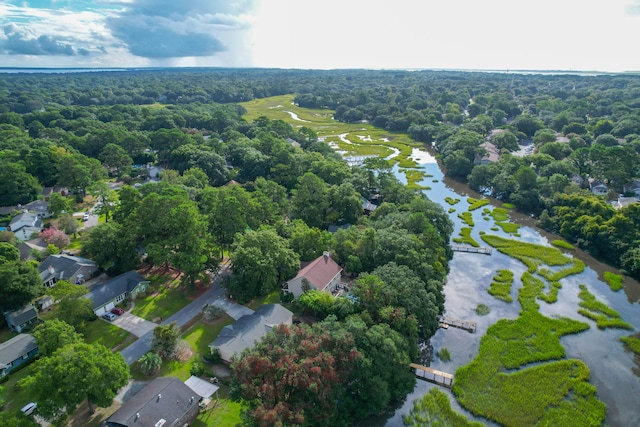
(466, 218)
(613, 280)
(499, 214)
(476, 203)
(562, 244)
(508, 227)
(508, 206)
(500, 385)
(530, 254)
(451, 200)
(632, 344)
(452, 210)
(602, 314)
(500, 286)
(483, 310)
(444, 355)
(434, 409)
(465, 237)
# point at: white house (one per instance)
(25, 224)
(322, 274)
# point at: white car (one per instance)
(28, 408)
(85, 217)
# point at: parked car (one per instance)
(28, 408)
(109, 316)
(85, 217)
(118, 311)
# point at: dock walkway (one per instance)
(434, 376)
(471, 249)
(460, 324)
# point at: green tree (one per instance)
(309, 199)
(16, 185)
(114, 156)
(16, 419)
(150, 363)
(112, 248)
(54, 334)
(308, 242)
(20, 284)
(262, 261)
(105, 198)
(9, 253)
(165, 340)
(76, 312)
(75, 373)
(58, 204)
(68, 224)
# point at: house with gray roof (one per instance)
(17, 351)
(164, 402)
(29, 247)
(66, 267)
(107, 295)
(21, 319)
(25, 224)
(249, 329)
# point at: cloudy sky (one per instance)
(467, 34)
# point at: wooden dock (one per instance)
(437, 377)
(471, 249)
(460, 324)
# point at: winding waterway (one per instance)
(614, 371)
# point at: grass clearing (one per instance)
(613, 280)
(110, 336)
(164, 299)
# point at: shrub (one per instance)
(213, 356)
(197, 369)
(212, 312)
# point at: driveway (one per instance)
(214, 295)
(134, 324)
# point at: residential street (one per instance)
(214, 295)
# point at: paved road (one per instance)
(214, 295)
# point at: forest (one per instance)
(264, 193)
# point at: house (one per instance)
(492, 156)
(21, 319)
(249, 329)
(44, 302)
(108, 294)
(204, 389)
(66, 267)
(322, 274)
(164, 402)
(632, 187)
(38, 207)
(48, 191)
(28, 247)
(597, 187)
(367, 206)
(25, 224)
(623, 202)
(17, 351)
(577, 180)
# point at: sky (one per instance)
(577, 35)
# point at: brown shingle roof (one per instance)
(320, 271)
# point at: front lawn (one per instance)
(201, 335)
(108, 335)
(165, 298)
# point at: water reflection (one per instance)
(614, 371)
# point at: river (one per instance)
(614, 371)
